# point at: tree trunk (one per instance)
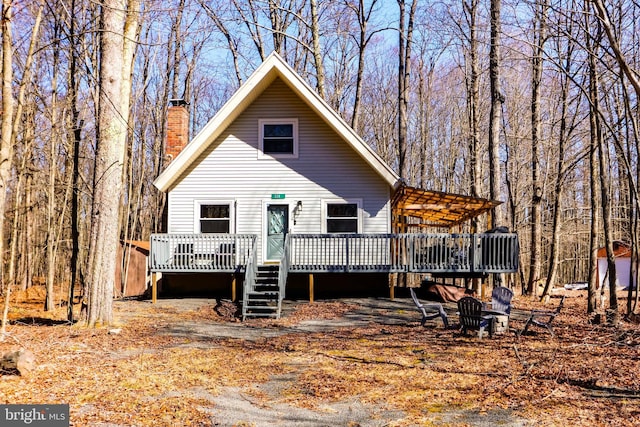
(110, 151)
(404, 77)
(495, 116)
(471, 9)
(76, 137)
(605, 191)
(6, 149)
(363, 20)
(540, 34)
(594, 126)
(28, 138)
(317, 53)
(51, 189)
(563, 136)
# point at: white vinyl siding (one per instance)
(326, 169)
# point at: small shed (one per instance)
(622, 252)
(132, 258)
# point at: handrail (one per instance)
(284, 267)
(249, 277)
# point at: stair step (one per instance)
(259, 290)
(262, 298)
(262, 315)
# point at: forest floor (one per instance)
(350, 362)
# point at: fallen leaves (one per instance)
(144, 376)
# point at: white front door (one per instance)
(276, 229)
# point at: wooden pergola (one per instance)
(417, 208)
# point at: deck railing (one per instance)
(435, 253)
(200, 252)
(419, 253)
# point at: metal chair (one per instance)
(543, 318)
(500, 301)
(439, 311)
(471, 317)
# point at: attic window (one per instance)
(278, 138)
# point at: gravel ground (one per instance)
(235, 407)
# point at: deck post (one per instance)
(310, 288)
(392, 291)
(154, 287)
(233, 287)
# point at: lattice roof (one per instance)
(438, 209)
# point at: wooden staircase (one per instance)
(262, 298)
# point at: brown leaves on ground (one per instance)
(144, 376)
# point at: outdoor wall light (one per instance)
(296, 211)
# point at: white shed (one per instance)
(622, 253)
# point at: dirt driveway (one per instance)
(236, 406)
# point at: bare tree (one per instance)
(111, 137)
(614, 43)
(405, 39)
(364, 16)
(567, 126)
(472, 85)
(28, 138)
(537, 64)
(495, 118)
(595, 142)
(6, 149)
(316, 51)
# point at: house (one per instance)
(622, 253)
(277, 187)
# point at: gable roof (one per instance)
(273, 67)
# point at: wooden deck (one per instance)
(344, 253)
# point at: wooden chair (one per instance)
(225, 255)
(500, 301)
(471, 318)
(543, 318)
(439, 311)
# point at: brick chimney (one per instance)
(177, 129)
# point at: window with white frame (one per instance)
(342, 217)
(278, 137)
(215, 218)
